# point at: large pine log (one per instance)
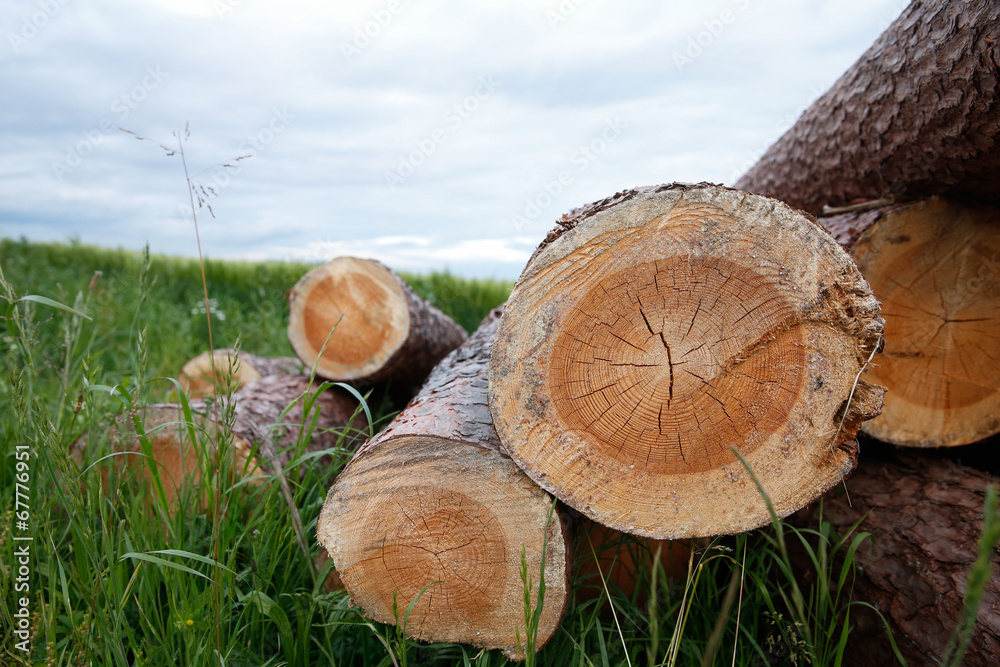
(917, 115)
(926, 514)
(935, 266)
(658, 329)
(433, 498)
(383, 330)
(231, 371)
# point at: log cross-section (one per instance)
(935, 266)
(380, 328)
(433, 504)
(662, 327)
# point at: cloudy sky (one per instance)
(433, 134)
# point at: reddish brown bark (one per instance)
(926, 514)
(916, 115)
(261, 416)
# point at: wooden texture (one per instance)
(232, 370)
(917, 115)
(382, 329)
(658, 329)
(935, 266)
(926, 514)
(433, 498)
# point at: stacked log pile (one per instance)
(665, 339)
(660, 338)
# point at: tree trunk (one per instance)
(197, 380)
(926, 514)
(261, 417)
(660, 328)
(433, 505)
(917, 115)
(935, 266)
(381, 328)
(264, 440)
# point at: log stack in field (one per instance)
(356, 320)
(433, 507)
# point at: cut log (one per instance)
(660, 328)
(926, 514)
(433, 504)
(383, 330)
(935, 266)
(197, 380)
(264, 439)
(263, 416)
(917, 115)
(175, 454)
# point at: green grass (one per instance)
(118, 580)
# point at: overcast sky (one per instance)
(433, 134)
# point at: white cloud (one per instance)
(324, 175)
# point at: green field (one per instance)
(116, 580)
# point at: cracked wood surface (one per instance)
(381, 328)
(935, 266)
(666, 325)
(916, 115)
(433, 498)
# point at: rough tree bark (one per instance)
(917, 115)
(433, 498)
(659, 328)
(383, 329)
(935, 266)
(926, 515)
(197, 380)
